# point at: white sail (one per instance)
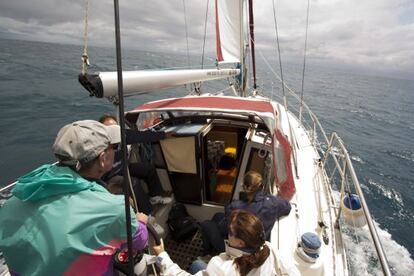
(229, 31)
(135, 82)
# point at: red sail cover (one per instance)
(285, 183)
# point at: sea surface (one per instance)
(374, 115)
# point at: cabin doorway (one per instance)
(223, 148)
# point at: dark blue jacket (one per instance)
(267, 207)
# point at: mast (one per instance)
(252, 42)
(241, 64)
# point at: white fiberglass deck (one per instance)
(309, 207)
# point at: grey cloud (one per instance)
(344, 31)
(45, 12)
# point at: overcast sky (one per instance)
(368, 33)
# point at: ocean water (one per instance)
(374, 116)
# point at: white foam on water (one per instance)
(398, 256)
(363, 258)
(362, 255)
(357, 159)
(389, 193)
(406, 155)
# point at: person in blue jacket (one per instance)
(268, 208)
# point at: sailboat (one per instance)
(287, 146)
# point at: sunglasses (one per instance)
(116, 146)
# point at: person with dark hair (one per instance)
(246, 253)
(265, 206)
(60, 220)
(108, 119)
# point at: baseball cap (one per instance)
(114, 133)
(82, 141)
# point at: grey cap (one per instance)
(114, 133)
(82, 141)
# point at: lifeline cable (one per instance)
(304, 64)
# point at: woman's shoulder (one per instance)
(221, 264)
(221, 258)
(271, 199)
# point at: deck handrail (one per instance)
(333, 143)
(7, 187)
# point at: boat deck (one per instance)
(184, 253)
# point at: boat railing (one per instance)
(7, 187)
(340, 173)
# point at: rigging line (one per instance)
(251, 28)
(222, 90)
(304, 63)
(85, 59)
(249, 72)
(292, 139)
(205, 32)
(278, 51)
(186, 34)
(276, 75)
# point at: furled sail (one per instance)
(105, 84)
(229, 31)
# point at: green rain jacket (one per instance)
(58, 223)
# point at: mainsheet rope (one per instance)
(85, 58)
(278, 51)
(205, 34)
(186, 34)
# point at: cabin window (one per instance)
(256, 161)
(150, 153)
(260, 161)
(150, 119)
(223, 149)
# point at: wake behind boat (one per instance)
(287, 146)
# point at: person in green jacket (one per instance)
(60, 220)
